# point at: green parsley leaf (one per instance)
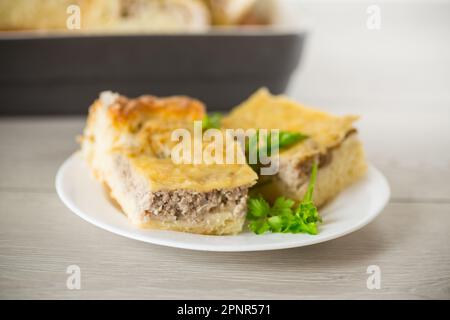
(259, 226)
(212, 121)
(287, 139)
(282, 217)
(282, 206)
(276, 223)
(258, 208)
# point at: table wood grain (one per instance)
(397, 79)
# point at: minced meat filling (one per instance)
(180, 204)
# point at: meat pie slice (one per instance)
(333, 142)
(127, 144)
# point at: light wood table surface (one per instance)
(397, 78)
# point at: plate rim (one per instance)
(375, 210)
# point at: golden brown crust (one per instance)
(266, 111)
(147, 106)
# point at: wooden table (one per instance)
(396, 78)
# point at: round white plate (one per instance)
(351, 210)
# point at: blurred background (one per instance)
(56, 55)
(63, 52)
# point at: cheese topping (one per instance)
(163, 174)
(140, 129)
(265, 111)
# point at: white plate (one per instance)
(350, 211)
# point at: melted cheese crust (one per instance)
(166, 175)
(265, 111)
(140, 130)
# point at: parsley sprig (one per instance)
(285, 140)
(212, 121)
(283, 217)
(288, 138)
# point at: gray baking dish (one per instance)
(63, 74)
